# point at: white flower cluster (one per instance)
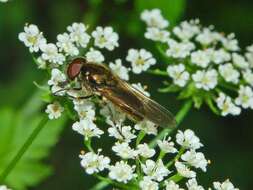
(75, 42)
(204, 64)
(139, 165)
(69, 43)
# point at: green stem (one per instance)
(181, 151)
(109, 181)
(176, 178)
(100, 185)
(179, 118)
(87, 143)
(157, 72)
(140, 137)
(23, 149)
(161, 155)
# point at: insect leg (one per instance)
(85, 97)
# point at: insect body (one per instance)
(97, 78)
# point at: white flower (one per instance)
(144, 151)
(195, 159)
(54, 110)
(154, 18)
(167, 146)
(85, 110)
(240, 61)
(3, 1)
(200, 58)
(245, 97)
(156, 34)
(249, 55)
(229, 73)
(220, 56)
(148, 184)
(41, 63)
(192, 184)
(250, 48)
(124, 150)
(122, 133)
(226, 185)
(147, 126)
(205, 79)
(56, 78)
(188, 139)
(230, 43)
(94, 56)
(32, 37)
(171, 185)
(105, 38)
(184, 171)
(155, 170)
(226, 105)
(140, 60)
(93, 163)
(206, 37)
(78, 34)
(50, 53)
(248, 76)
(142, 89)
(121, 172)
(186, 30)
(179, 50)
(87, 128)
(65, 43)
(179, 75)
(119, 69)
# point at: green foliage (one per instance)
(171, 9)
(14, 130)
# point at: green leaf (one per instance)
(171, 9)
(14, 130)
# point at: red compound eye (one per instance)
(75, 67)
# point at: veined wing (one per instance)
(136, 104)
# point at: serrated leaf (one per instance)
(15, 129)
(171, 9)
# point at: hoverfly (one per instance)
(98, 79)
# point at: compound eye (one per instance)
(74, 68)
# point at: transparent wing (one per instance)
(136, 104)
(153, 111)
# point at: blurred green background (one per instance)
(228, 141)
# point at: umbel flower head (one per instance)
(138, 163)
(202, 64)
